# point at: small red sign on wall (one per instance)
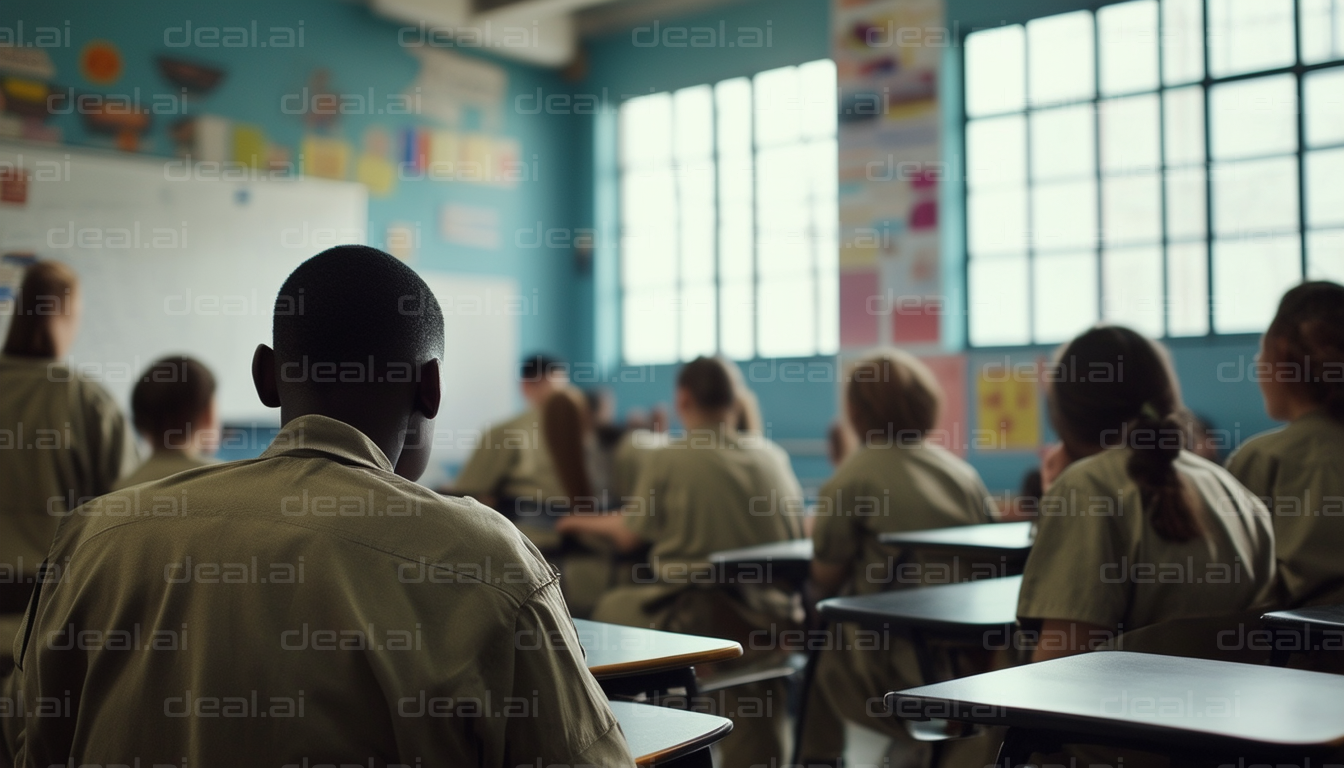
(13, 186)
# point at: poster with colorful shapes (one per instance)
(1009, 408)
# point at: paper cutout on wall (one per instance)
(100, 62)
(374, 169)
(1009, 408)
(325, 157)
(13, 186)
(27, 62)
(953, 431)
(449, 84)
(474, 226)
(858, 325)
(249, 146)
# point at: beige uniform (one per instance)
(702, 493)
(512, 463)
(1096, 558)
(160, 465)
(307, 607)
(884, 490)
(1298, 471)
(63, 441)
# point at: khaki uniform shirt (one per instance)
(713, 490)
(159, 465)
(63, 441)
(511, 462)
(1097, 559)
(1298, 471)
(307, 607)
(895, 489)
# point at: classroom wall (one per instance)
(797, 411)
(363, 56)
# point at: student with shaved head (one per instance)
(173, 409)
(313, 606)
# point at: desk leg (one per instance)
(810, 672)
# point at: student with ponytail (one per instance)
(1298, 470)
(1134, 529)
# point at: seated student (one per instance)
(173, 408)
(1134, 530)
(710, 489)
(314, 605)
(894, 481)
(1298, 470)
(511, 469)
(63, 440)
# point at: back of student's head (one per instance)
(173, 398)
(47, 291)
(711, 385)
(349, 306)
(538, 367)
(1115, 388)
(892, 396)
(1308, 335)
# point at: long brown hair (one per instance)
(565, 422)
(1116, 388)
(1309, 334)
(46, 291)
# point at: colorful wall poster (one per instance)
(888, 57)
(953, 431)
(475, 226)
(1008, 402)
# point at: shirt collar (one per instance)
(313, 436)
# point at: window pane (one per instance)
(995, 71)
(649, 319)
(1255, 198)
(648, 259)
(1061, 60)
(1254, 117)
(732, 103)
(1062, 143)
(737, 176)
(778, 103)
(1185, 126)
(1324, 93)
(999, 294)
(1129, 130)
(1250, 35)
(818, 84)
(997, 221)
(1187, 210)
(1064, 215)
(1325, 188)
(1066, 296)
(784, 252)
(1128, 33)
(823, 178)
(693, 122)
(736, 243)
(1187, 290)
(698, 315)
(695, 198)
(996, 151)
(781, 187)
(737, 310)
(648, 198)
(1322, 30)
(1132, 212)
(1182, 41)
(646, 130)
(1132, 284)
(1325, 255)
(788, 318)
(1249, 278)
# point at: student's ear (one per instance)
(429, 390)
(263, 376)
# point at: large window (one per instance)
(1149, 166)
(728, 218)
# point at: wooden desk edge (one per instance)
(665, 663)
(686, 747)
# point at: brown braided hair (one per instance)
(1308, 331)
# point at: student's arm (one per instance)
(612, 527)
(835, 542)
(827, 578)
(1061, 638)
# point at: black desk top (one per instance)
(970, 607)
(1316, 617)
(660, 734)
(988, 538)
(612, 650)
(1147, 698)
(797, 551)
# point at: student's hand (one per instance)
(1055, 461)
(568, 524)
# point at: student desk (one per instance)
(669, 737)
(628, 661)
(1303, 630)
(789, 561)
(1009, 541)
(1175, 706)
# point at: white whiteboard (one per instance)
(172, 260)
